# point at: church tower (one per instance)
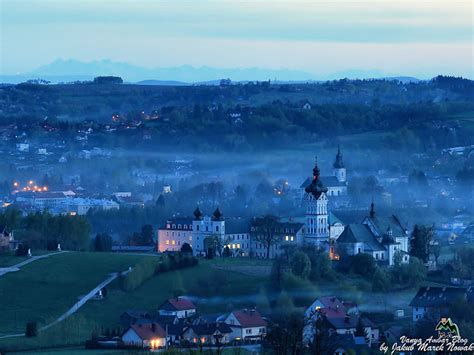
(317, 225)
(339, 169)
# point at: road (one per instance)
(16, 267)
(75, 307)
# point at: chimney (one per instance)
(153, 327)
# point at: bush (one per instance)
(381, 281)
(300, 264)
(363, 264)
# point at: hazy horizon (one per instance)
(420, 39)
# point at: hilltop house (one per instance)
(245, 324)
(179, 307)
(145, 335)
(378, 236)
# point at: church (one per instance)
(384, 238)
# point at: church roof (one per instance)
(382, 224)
(316, 187)
(329, 180)
(333, 219)
(360, 233)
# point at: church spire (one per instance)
(372, 209)
(338, 163)
(316, 171)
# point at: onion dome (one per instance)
(316, 187)
(338, 163)
(197, 213)
(217, 215)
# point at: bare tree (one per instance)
(265, 232)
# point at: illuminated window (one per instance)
(292, 238)
(233, 246)
(173, 242)
(286, 238)
(167, 242)
(238, 246)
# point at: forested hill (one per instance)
(94, 101)
(437, 113)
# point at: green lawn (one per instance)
(46, 288)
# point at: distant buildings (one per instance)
(60, 202)
(434, 302)
(381, 237)
(179, 324)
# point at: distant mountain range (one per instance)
(73, 70)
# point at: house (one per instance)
(348, 343)
(208, 333)
(246, 324)
(327, 306)
(7, 242)
(131, 316)
(348, 325)
(150, 335)
(381, 237)
(179, 307)
(434, 301)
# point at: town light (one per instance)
(30, 182)
(16, 184)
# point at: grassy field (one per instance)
(44, 289)
(215, 286)
(9, 258)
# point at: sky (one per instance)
(415, 38)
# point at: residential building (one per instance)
(435, 301)
(180, 307)
(208, 333)
(246, 324)
(146, 335)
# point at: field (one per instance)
(9, 259)
(215, 286)
(44, 289)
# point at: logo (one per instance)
(448, 340)
(447, 328)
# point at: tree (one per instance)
(363, 264)
(147, 234)
(300, 264)
(31, 329)
(285, 334)
(103, 242)
(186, 248)
(277, 273)
(265, 232)
(360, 331)
(420, 242)
(323, 340)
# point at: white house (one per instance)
(179, 307)
(246, 324)
(146, 335)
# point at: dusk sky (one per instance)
(415, 38)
